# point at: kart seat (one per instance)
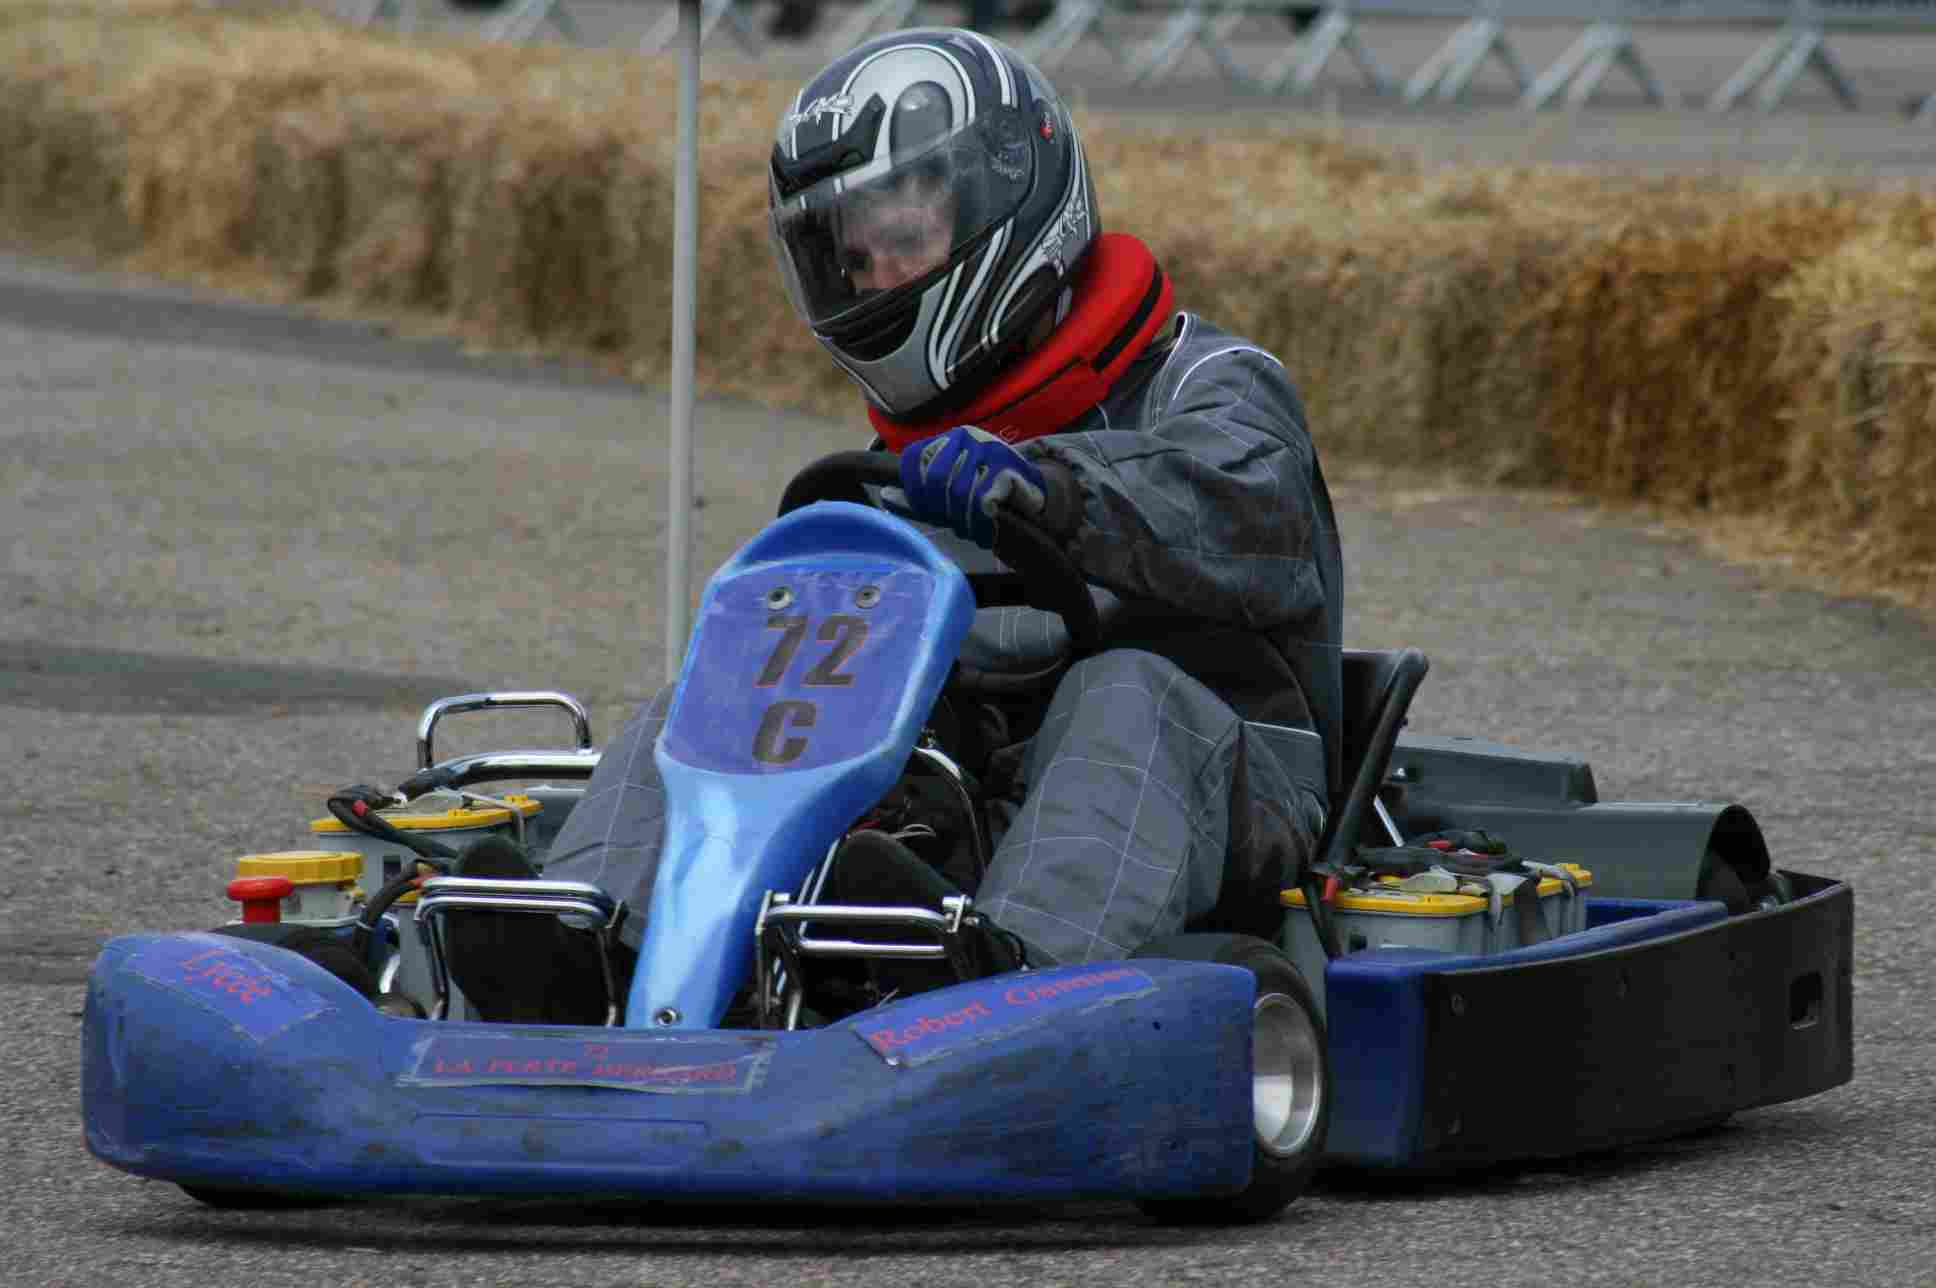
(575, 901)
(1378, 689)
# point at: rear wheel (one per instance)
(1290, 1082)
(1721, 880)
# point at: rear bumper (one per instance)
(1641, 1028)
(218, 1062)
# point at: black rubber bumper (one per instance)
(1579, 1054)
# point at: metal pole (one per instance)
(685, 256)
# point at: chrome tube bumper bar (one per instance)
(494, 766)
(782, 943)
(581, 721)
(442, 895)
(940, 924)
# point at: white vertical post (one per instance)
(685, 256)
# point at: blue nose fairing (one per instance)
(820, 649)
(1125, 1079)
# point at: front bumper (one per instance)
(217, 1062)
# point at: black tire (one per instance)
(243, 1200)
(324, 947)
(1280, 1169)
(1722, 879)
(1719, 881)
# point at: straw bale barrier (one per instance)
(1730, 351)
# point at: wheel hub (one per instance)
(1287, 1083)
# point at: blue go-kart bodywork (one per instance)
(244, 1071)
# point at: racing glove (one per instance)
(964, 477)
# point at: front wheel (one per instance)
(231, 1199)
(1290, 1082)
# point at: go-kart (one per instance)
(314, 1053)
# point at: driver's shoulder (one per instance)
(1204, 363)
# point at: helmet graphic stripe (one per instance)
(1001, 68)
(946, 349)
(1068, 225)
(937, 366)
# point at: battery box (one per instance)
(1380, 914)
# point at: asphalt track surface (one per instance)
(242, 547)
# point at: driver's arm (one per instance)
(1211, 506)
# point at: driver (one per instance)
(898, 236)
(935, 224)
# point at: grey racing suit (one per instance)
(1144, 804)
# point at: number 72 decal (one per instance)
(778, 742)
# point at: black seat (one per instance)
(1378, 689)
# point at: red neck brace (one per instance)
(1121, 300)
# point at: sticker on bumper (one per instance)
(911, 1033)
(708, 1066)
(259, 1001)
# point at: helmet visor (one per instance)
(859, 235)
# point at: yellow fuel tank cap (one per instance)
(304, 867)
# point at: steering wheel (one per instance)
(1041, 575)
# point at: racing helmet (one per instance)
(928, 199)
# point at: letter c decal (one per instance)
(769, 747)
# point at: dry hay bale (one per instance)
(560, 209)
(1658, 346)
(748, 342)
(1245, 226)
(296, 221)
(59, 181)
(1395, 298)
(60, 160)
(550, 222)
(1636, 340)
(1409, 341)
(389, 211)
(1860, 477)
(233, 134)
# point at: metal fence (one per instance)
(1795, 40)
(1798, 46)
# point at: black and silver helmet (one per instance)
(928, 199)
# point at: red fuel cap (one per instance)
(261, 897)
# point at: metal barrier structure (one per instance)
(711, 14)
(361, 13)
(1603, 46)
(1445, 74)
(527, 18)
(1799, 46)
(1608, 42)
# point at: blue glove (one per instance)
(961, 478)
